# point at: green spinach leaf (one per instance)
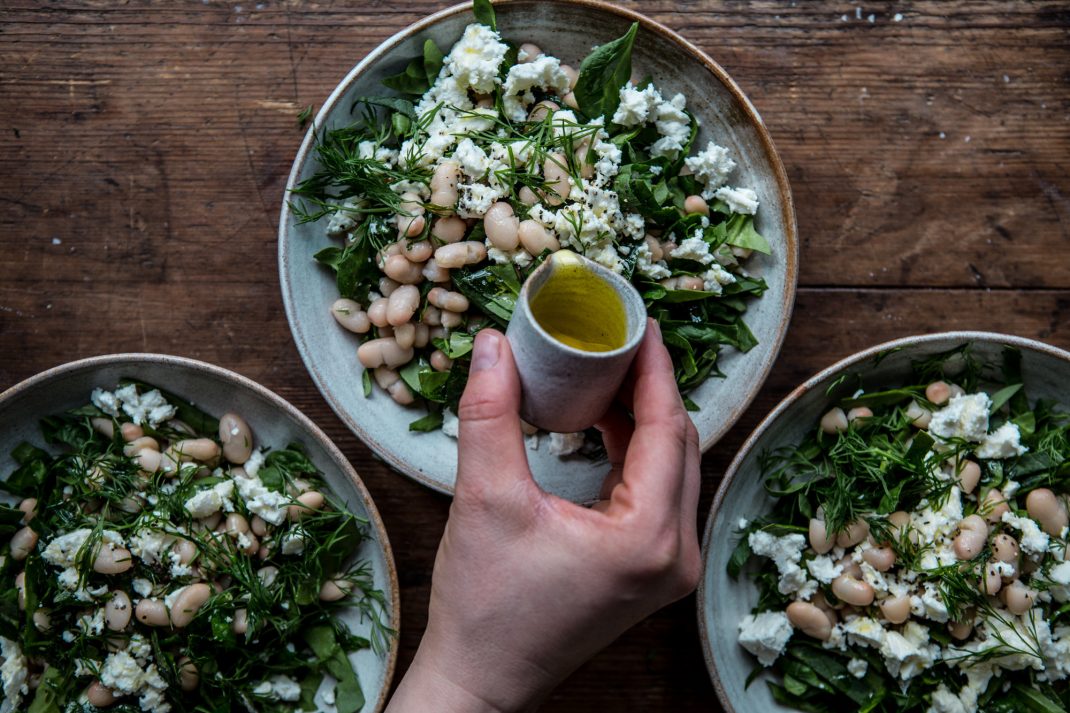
(602, 75)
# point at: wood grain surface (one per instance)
(144, 148)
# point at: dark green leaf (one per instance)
(50, 693)
(431, 422)
(396, 104)
(740, 233)
(484, 13)
(493, 289)
(1003, 396)
(602, 75)
(366, 382)
(420, 73)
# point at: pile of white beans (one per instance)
(403, 321)
(234, 532)
(973, 534)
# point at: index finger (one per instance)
(655, 466)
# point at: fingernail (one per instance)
(486, 351)
(656, 326)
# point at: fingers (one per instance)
(657, 460)
(490, 450)
(616, 427)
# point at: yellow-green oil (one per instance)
(580, 309)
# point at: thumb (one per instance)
(490, 449)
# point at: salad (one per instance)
(491, 157)
(163, 561)
(915, 557)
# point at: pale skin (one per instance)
(528, 586)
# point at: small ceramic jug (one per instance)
(574, 333)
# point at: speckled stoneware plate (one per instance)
(722, 602)
(566, 30)
(273, 421)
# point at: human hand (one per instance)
(526, 585)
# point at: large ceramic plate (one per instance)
(273, 420)
(723, 602)
(567, 30)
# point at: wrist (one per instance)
(425, 688)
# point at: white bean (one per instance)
(421, 336)
(386, 287)
(919, 417)
(112, 560)
(969, 475)
(994, 505)
(896, 609)
(834, 421)
(570, 100)
(444, 299)
(236, 437)
(258, 525)
(439, 361)
(938, 392)
(203, 450)
(335, 589)
(959, 630)
(1048, 510)
(152, 612)
(131, 431)
(451, 320)
(572, 75)
(696, 204)
(384, 351)
(444, 186)
(973, 533)
(528, 53)
(402, 305)
(97, 694)
(852, 591)
(118, 610)
(809, 619)
(1005, 549)
(460, 254)
(188, 676)
(418, 251)
(501, 226)
(307, 503)
(1018, 597)
(236, 524)
(139, 444)
(405, 335)
(28, 506)
(431, 316)
(188, 602)
(541, 110)
(240, 625)
(820, 539)
(103, 426)
(880, 558)
(535, 238)
(991, 581)
(527, 196)
(22, 543)
(20, 587)
(854, 533)
(377, 312)
(403, 270)
(42, 619)
(410, 217)
(349, 314)
(432, 272)
(148, 461)
(859, 413)
(555, 171)
(449, 230)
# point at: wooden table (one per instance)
(144, 152)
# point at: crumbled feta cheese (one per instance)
(476, 199)
(122, 672)
(857, 667)
(716, 278)
(150, 407)
(695, 249)
(929, 604)
(785, 552)
(293, 543)
(473, 160)
(63, 551)
(280, 688)
(565, 444)
(765, 635)
(342, 221)
(475, 59)
(256, 458)
(450, 423)
(205, 503)
(543, 73)
(1004, 442)
(92, 623)
(637, 106)
(937, 526)
(143, 587)
(824, 569)
(674, 125)
(1033, 540)
(908, 652)
(863, 631)
(738, 200)
(647, 266)
(13, 674)
(268, 504)
(152, 546)
(1059, 577)
(964, 417)
(712, 166)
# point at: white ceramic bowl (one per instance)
(722, 602)
(567, 30)
(274, 422)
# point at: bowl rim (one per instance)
(90, 364)
(784, 194)
(781, 408)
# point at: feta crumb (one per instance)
(964, 417)
(824, 569)
(1033, 541)
(13, 673)
(450, 423)
(475, 59)
(695, 249)
(857, 667)
(636, 106)
(150, 407)
(565, 444)
(738, 200)
(1004, 442)
(205, 503)
(543, 73)
(765, 635)
(712, 166)
(268, 504)
(785, 552)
